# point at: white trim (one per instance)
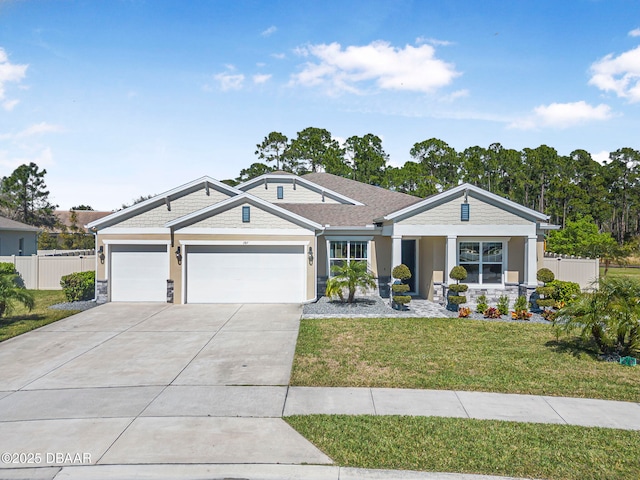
(461, 189)
(245, 231)
(134, 231)
(157, 200)
(299, 181)
(343, 238)
(464, 230)
(243, 242)
(109, 241)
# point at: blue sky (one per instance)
(118, 99)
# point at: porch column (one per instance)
(452, 255)
(531, 261)
(396, 251)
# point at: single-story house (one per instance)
(17, 238)
(275, 237)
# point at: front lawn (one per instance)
(491, 447)
(619, 272)
(22, 320)
(455, 354)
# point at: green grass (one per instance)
(456, 354)
(23, 321)
(619, 272)
(474, 446)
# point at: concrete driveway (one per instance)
(152, 383)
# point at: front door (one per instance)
(409, 259)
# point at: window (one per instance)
(280, 192)
(21, 247)
(482, 260)
(246, 214)
(341, 251)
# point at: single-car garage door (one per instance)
(246, 274)
(139, 273)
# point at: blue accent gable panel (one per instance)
(246, 214)
(280, 192)
(464, 212)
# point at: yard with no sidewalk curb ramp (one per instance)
(22, 320)
(456, 354)
(490, 447)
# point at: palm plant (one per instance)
(11, 293)
(609, 315)
(349, 276)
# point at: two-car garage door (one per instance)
(245, 273)
(214, 273)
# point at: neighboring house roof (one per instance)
(13, 225)
(456, 192)
(377, 202)
(84, 217)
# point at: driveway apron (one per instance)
(153, 383)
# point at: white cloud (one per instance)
(601, 157)
(261, 78)
(455, 95)
(433, 41)
(35, 129)
(9, 72)
(620, 74)
(10, 104)
(635, 32)
(563, 115)
(410, 68)
(229, 81)
(269, 31)
(279, 56)
(42, 157)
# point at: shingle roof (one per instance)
(377, 201)
(83, 218)
(8, 224)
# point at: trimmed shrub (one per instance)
(458, 273)
(401, 272)
(459, 287)
(545, 275)
(78, 286)
(457, 299)
(400, 288)
(402, 299)
(7, 268)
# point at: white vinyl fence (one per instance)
(583, 271)
(44, 273)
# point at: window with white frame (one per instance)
(483, 261)
(341, 251)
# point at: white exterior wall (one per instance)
(301, 194)
(160, 215)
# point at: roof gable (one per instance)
(13, 225)
(159, 209)
(466, 189)
(239, 200)
(323, 193)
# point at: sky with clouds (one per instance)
(123, 98)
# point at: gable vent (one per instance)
(464, 212)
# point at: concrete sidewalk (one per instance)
(447, 403)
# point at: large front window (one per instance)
(482, 260)
(341, 251)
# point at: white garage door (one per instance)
(246, 274)
(139, 273)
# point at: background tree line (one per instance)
(568, 188)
